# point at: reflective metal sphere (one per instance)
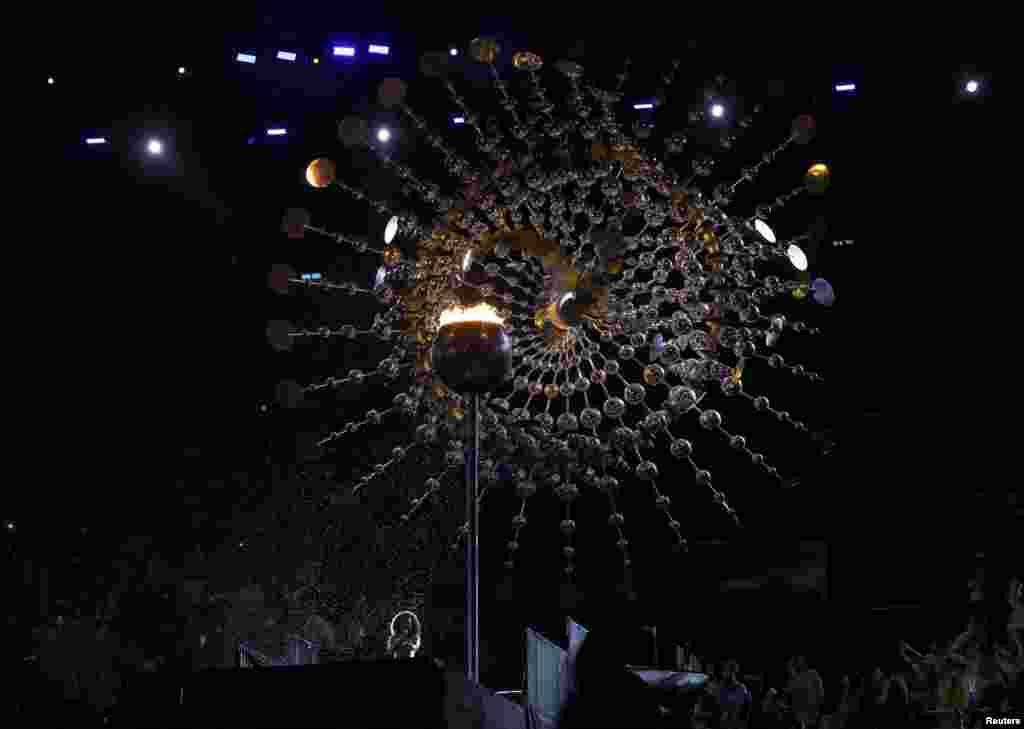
(473, 356)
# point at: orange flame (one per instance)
(480, 312)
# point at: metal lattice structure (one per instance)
(628, 291)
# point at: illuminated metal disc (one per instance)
(567, 311)
(817, 178)
(764, 230)
(279, 334)
(391, 92)
(353, 131)
(288, 394)
(280, 276)
(797, 257)
(321, 172)
(823, 293)
(391, 230)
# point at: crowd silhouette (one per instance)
(97, 669)
(958, 682)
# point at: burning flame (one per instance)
(480, 312)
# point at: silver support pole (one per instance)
(473, 547)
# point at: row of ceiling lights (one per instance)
(717, 111)
(338, 51)
(155, 147)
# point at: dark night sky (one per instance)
(164, 265)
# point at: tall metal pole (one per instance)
(473, 547)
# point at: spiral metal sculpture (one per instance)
(624, 294)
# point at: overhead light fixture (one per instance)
(379, 50)
(245, 58)
(155, 147)
(453, 51)
(286, 55)
(972, 86)
(717, 111)
(383, 134)
(391, 230)
(278, 132)
(797, 257)
(846, 88)
(764, 230)
(50, 80)
(95, 140)
(643, 106)
(181, 70)
(458, 120)
(316, 60)
(347, 51)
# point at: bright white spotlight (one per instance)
(458, 120)
(50, 80)
(643, 106)
(764, 230)
(95, 140)
(155, 147)
(717, 111)
(286, 55)
(181, 70)
(797, 257)
(245, 58)
(383, 135)
(972, 87)
(379, 50)
(347, 51)
(846, 88)
(391, 230)
(453, 52)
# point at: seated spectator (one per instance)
(806, 693)
(707, 708)
(837, 709)
(1009, 658)
(874, 700)
(1015, 600)
(734, 698)
(771, 715)
(847, 702)
(897, 706)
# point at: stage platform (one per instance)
(417, 693)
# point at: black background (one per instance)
(146, 304)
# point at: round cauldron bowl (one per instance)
(473, 356)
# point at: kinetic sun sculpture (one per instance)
(571, 292)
